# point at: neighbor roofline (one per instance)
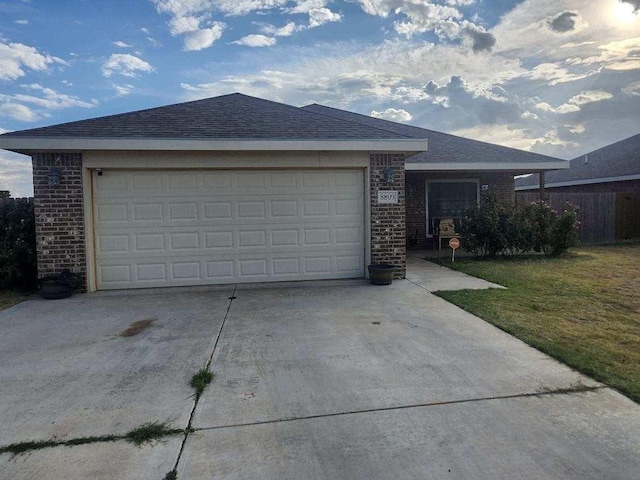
(528, 167)
(24, 144)
(589, 181)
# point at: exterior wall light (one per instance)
(54, 177)
(387, 174)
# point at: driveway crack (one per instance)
(545, 393)
(207, 367)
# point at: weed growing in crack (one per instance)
(151, 432)
(200, 381)
(172, 475)
(22, 447)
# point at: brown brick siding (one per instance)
(500, 182)
(59, 214)
(388, 242)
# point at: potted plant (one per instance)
(60, 285)
(381, 273)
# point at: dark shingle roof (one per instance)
(616, 160)
(233, 116)
(443, 147)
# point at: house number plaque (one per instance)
(387, 196)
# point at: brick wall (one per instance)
(501, 183)
(388, 230)
(59, 214)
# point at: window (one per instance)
(449, 200)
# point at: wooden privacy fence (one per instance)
(604, 217)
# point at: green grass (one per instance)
(9, 298)
(582, 308)
(200, 381)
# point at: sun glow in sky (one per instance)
(623, 13)
(557, 77)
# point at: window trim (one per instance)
(448, 180)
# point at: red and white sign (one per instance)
(454, 243)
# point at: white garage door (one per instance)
(172, 228)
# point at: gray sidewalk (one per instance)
(433, 277)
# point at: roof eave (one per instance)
(587, 181)
(523, 167)
(28, 145)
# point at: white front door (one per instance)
(199, 227)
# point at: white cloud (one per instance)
(256, 41)
(18, 112)
(123, 89)
(16, 173)
(180, 25)
(289, 29)
(50, 99)
(121, 44)
(419, 16)
(192, 18)
(574, 103)
(589, 96)
(554, 74)
(126, 65)
(632, 89)
(29, 107)
(154, 42)
(393, 114)
(564, 108)
(22, 22)
(204, 38)
(145, 30)
(320, 16)
(15, 57)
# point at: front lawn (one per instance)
(582, 308)
(9, 298)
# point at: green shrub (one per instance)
(17, 244)
(553, 233)
(493, 228)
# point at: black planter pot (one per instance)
(381, 273)
(54, 287)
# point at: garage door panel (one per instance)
(207, 227)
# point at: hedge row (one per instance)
(493, 228)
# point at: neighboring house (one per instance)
(239, 189)
(614, 168)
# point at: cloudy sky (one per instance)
(560, 77)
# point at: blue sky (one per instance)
(559, 77)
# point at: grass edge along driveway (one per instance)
(9, 298)
(582, 308)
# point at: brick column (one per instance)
(59, 212)
(388, 229)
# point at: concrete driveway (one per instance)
(325, 380)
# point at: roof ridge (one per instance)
(113, 115)
(605, 147)
(430, 131)
(348, 121)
